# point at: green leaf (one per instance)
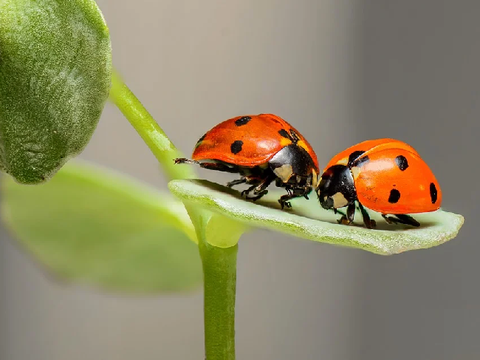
(309, 221)
(96, 227)
(55, 73)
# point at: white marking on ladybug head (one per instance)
(284, 172)
(339, 200)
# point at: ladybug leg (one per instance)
(369, 224)
(294, 193)
(351, 212)
(257, 194)
(401, 219)
(186, 161)
(248, 191)
(336, 211)
(407, 219)
(346, 220)
(242, 180)
(284, 203)
(307, 188)
(389, 219)
(259, 190)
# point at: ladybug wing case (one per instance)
(396, 181)
(366, 147)
(244, 141)
(248, 141)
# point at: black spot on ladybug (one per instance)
(243, 120)
(353, 159)
(294, 136)
(394, 196)
(362, 160)
(401, 162)
(433, 193)
(200, 140)
(284, 133)
(236, 146)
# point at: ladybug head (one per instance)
(336, 188)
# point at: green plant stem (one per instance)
(219, 264)
(220, 275)
(148, 129)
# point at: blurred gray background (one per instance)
(341, 71)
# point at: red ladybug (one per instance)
(261, 148)
(384, 175)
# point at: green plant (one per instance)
(91, 225)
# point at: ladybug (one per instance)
(262, 149)
(384, 175)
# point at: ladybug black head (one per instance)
(336, 188)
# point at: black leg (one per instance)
(336, 211)
(293, 193)
(248, 191)
(348, 219)
(407, 219)
(370, 224)
(308, 187)
(351, 212)
(258, 190)
(242, 180)
(401, 219)
(186, 161)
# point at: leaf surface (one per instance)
(308, 220)
(55, 74)
(96, 227)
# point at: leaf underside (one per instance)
(95, 227)
(308, 220)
